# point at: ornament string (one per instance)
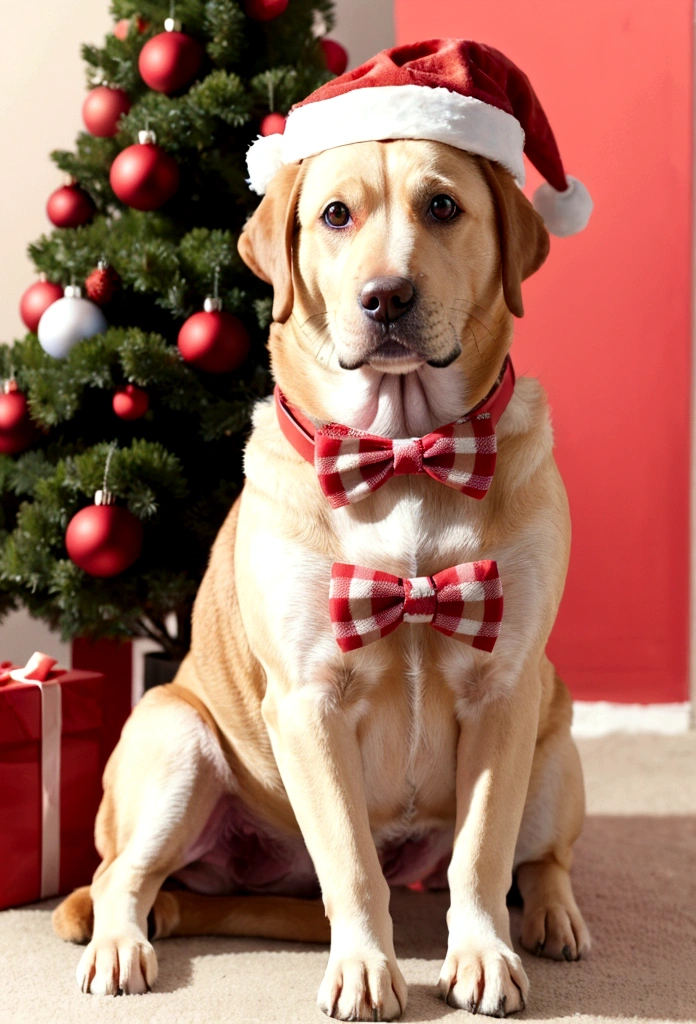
(104, 496)
(107, 464)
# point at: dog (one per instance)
(276, 768)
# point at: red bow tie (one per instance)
(350, 463)
(465, 602)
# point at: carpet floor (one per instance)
(635, 880)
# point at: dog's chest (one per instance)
(408, 725)
(406, 694)
(413, 527)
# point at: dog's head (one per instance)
(395, 255)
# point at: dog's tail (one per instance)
(187, 913)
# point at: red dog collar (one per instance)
(352, 463)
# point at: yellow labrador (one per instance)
(274, 760)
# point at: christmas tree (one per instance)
(137, 385)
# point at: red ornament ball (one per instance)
(104, 540)
(16, 428)
(335, 55)
(272, 124)
(69, 207)
(102, 109)
(123, 27)
(36, 300)
(215, 341)
(101, 284)
(265, 10)
(131, 402)
(169, 61)
(144, 176)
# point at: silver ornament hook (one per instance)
(171, 24)
(72, 290)
(213, 303)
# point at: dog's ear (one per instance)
(265, 244)
(524, 240)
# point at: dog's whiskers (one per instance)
(320, 331)
(473, 335)
(474, 305)
(471, 316)
(313, 316)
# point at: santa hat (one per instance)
(447, 90)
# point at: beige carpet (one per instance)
(635, 878)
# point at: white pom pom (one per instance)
(264, 157)
(564, 213)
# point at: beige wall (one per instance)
(42, 86)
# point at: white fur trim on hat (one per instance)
(564, 213)
(390, 112)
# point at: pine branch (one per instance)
(179, 467)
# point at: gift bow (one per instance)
(37, 670)
(351, 464)
(464, 602)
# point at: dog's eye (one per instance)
(443, 207)
(337, 215)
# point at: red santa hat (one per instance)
(446, 90)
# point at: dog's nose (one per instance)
(386, 298)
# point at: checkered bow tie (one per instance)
(465, 602)
(351, 464)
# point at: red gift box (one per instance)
(51, 761)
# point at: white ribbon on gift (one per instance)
(36, 671)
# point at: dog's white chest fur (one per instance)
(401, 533)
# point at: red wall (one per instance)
(607, 327)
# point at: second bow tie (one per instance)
(465, 602)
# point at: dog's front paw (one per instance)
(366, 985)
(109, 967)
(484, 978)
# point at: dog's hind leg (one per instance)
(552, 924)
(266, 917)
(73, 919)
(178, 912)
(161, 785)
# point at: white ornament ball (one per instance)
(68, 321)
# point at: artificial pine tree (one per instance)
(171, 430)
